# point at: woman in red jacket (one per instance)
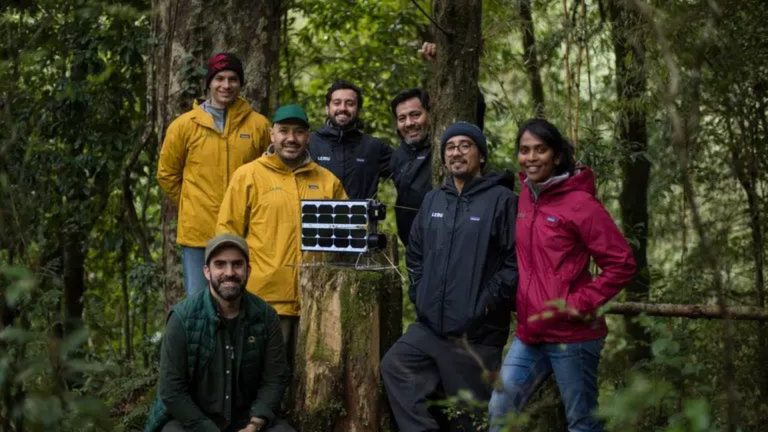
(561, 226)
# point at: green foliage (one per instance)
(37, 370)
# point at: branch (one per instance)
(696, 311)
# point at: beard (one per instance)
(350, 120)
(232, 289)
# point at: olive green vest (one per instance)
(200, 320)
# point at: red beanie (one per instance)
(224, 61)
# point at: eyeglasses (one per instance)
(462, 148)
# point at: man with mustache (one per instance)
(411, 163)
(222, 361)
(262, 204)
(201, 151)
(463, 273)
(357, 159)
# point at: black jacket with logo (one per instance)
(411, 168)
(461, 260)
(357, 159)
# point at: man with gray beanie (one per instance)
(202, 149)
(222, 361)
(463, 276)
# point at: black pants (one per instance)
(421, 363)
(279, 425)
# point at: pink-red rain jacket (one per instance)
(556, 236)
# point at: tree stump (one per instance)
(349, 319)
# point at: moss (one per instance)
(322, 418)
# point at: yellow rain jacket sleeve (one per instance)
(197, 161)
(262, 205)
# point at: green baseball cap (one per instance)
(291, 112)
(222, 240)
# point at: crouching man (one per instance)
(222, 363)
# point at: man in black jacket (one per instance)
(411, 164)
(462, 265)
(357, 159)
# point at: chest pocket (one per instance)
(253, 356)
(556, 236)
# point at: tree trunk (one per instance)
(530, 57)
(188, 32)
(629, 51)
(349, 319)
(454, 73)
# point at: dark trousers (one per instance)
(279, 425)
(421, 364)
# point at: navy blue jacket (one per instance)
(461, 260)
(355, 158)
(411, 167)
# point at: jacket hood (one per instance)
(328, 129)
(476, 185)
(582, 180)
(417, 146)
(271, 160)
(236, 112)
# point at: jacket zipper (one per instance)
(530, 246)
(447, 262)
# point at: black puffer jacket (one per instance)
(411, 168)
(357, 159)
(461, 260)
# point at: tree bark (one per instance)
(629, 52)
(530, 57)
(188, 32)
(349, 319)
(453, 75)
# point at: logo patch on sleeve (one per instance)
(313, 186)
(474, 218)
(246, 136)
(437, 215)
(324, 158)
(360, 160)
(551, 219)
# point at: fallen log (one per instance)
(699, 311)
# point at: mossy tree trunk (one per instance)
(453, 75)
(349, 319)
(187, 32)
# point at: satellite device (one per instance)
(345, 226)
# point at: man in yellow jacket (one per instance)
(201, 151)
(262, 205)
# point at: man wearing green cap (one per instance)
(222, 361)
(262, 204)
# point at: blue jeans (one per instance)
(192, 262)
(527, 366)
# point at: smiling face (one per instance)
(537, 160)
(227, 272)
(290, 139)
(342, 108)
(462, 157)
(224, 89)
(412, 120)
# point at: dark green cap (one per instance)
(222, 240)
(291, 112)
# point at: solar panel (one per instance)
(341, 225)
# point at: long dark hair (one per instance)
(552, 138)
